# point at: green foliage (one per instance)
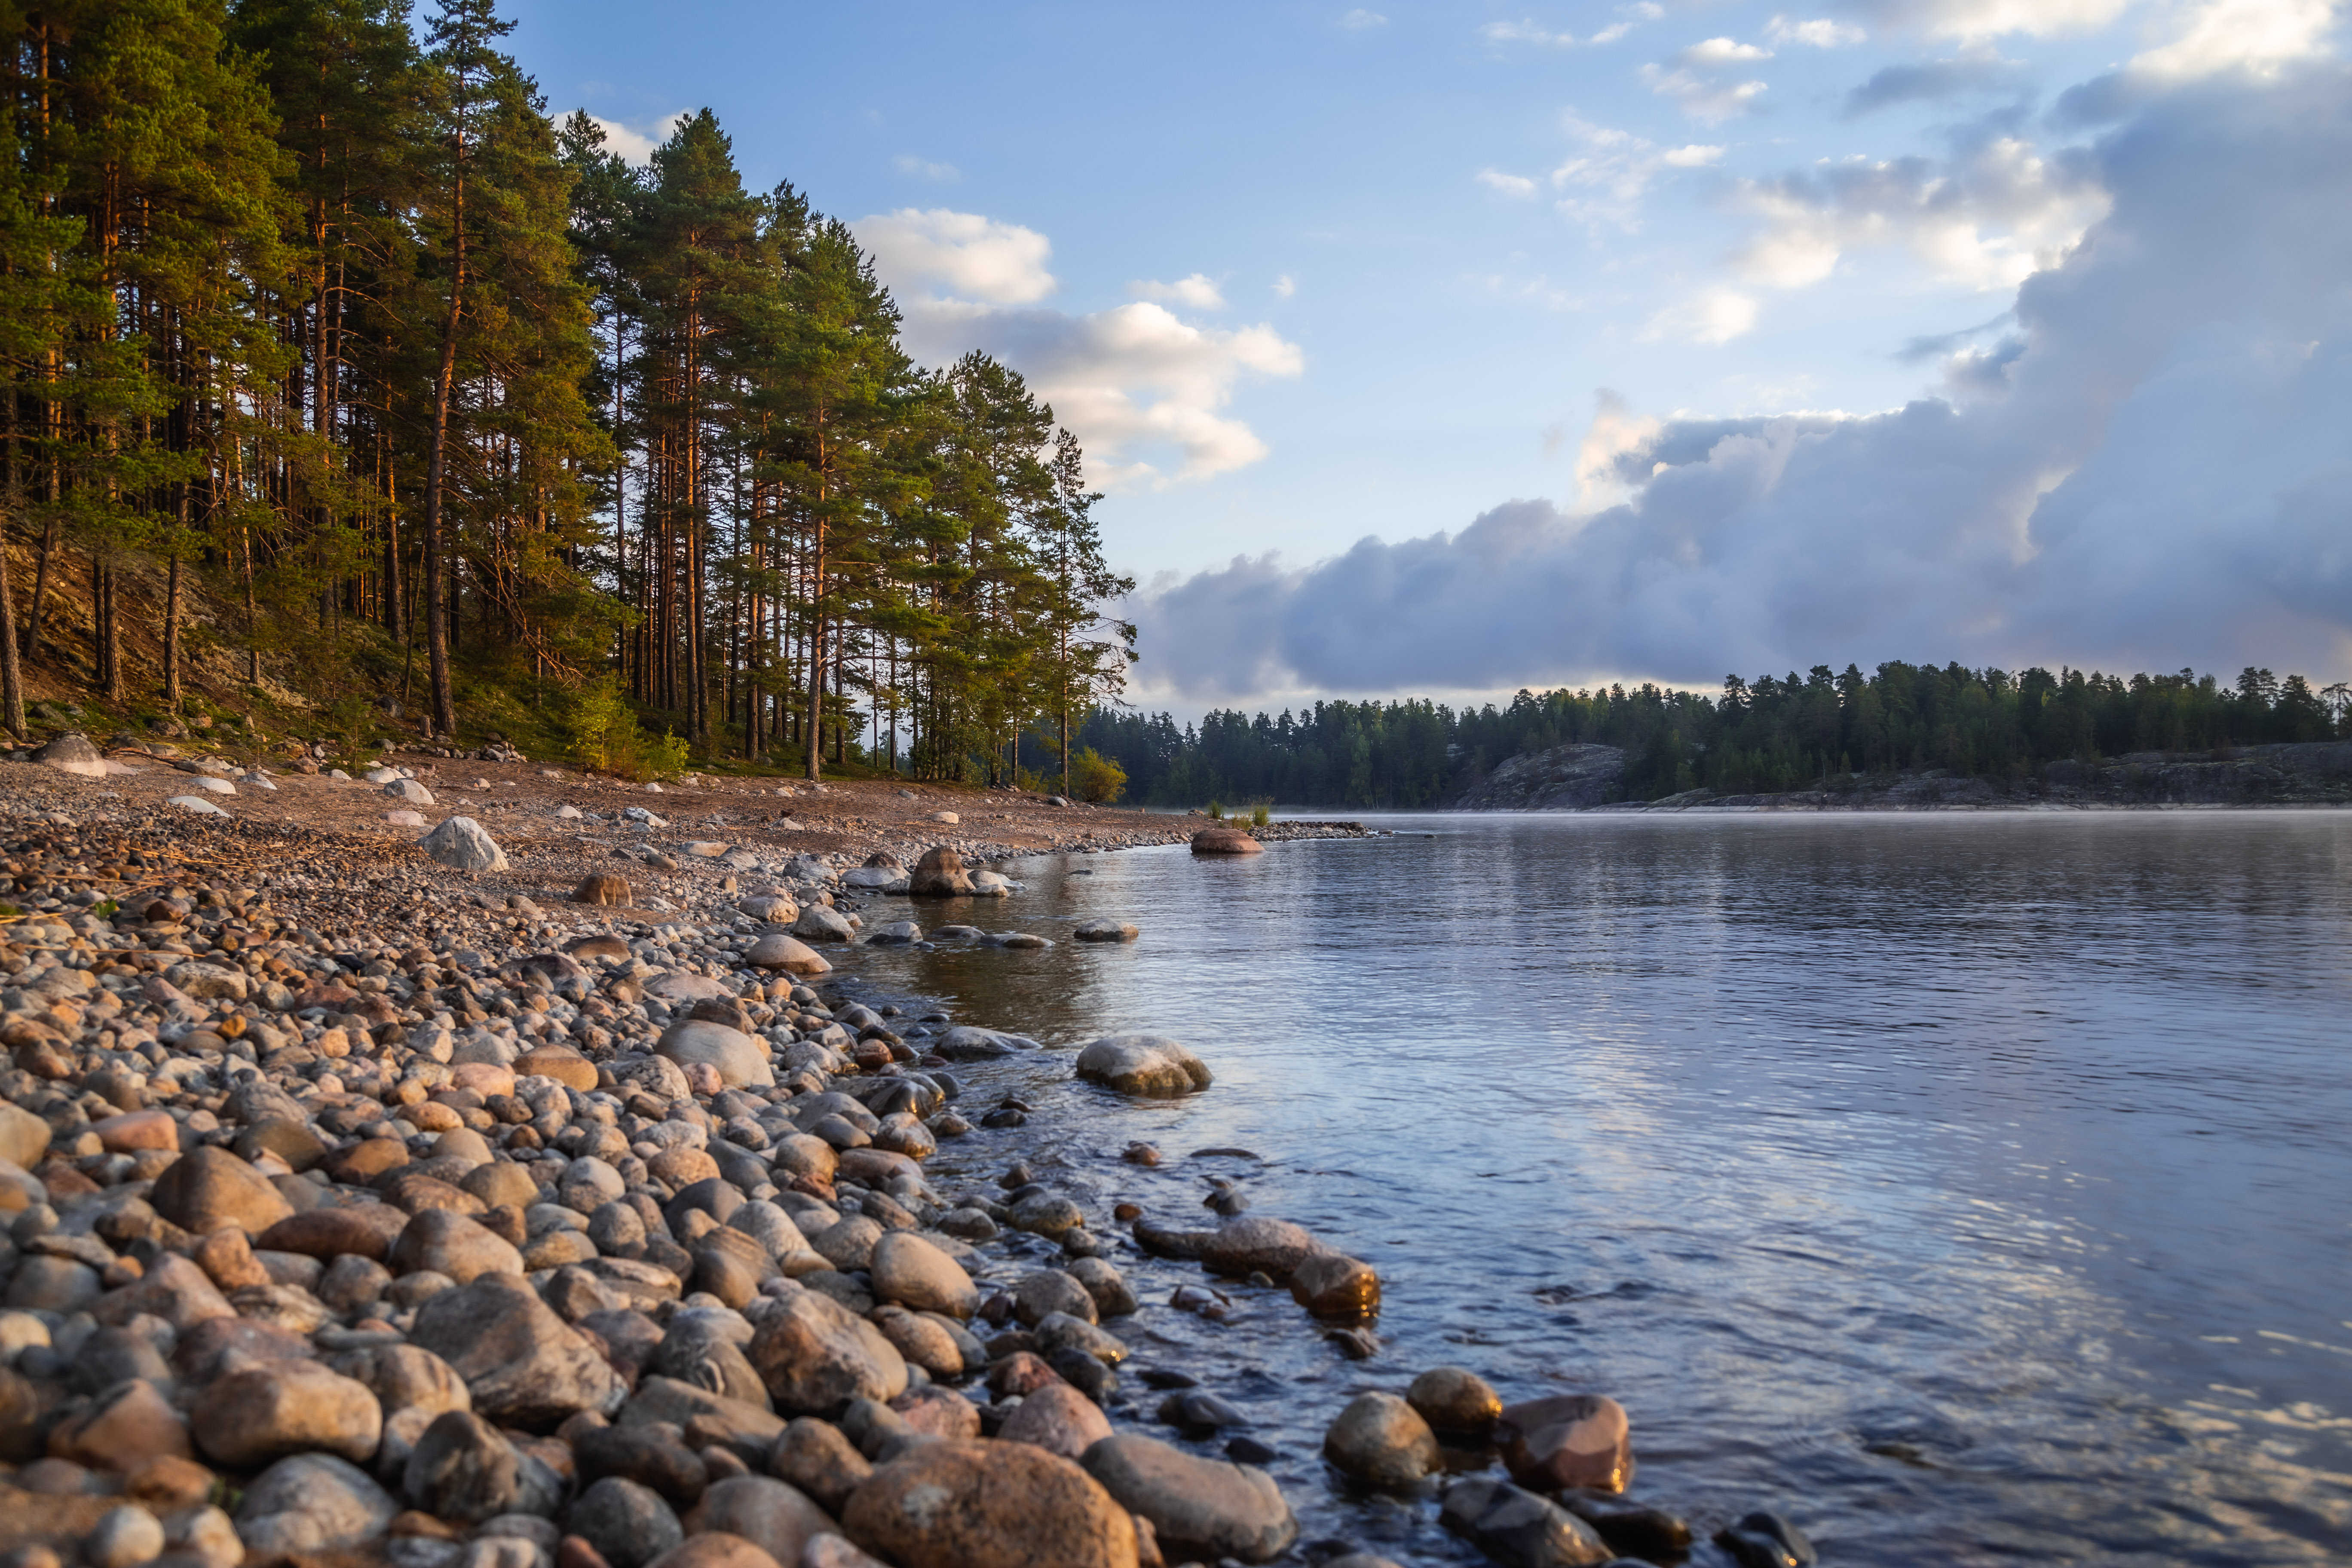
(1216, 811)
(1766, 736)
(1261, 812)
(605, 738)
(1095, 777)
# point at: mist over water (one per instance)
(1966, 1187)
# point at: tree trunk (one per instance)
(171, 639)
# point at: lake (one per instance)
(1966, 1187)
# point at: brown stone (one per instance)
(817, 1457)
(940, 874)
(1224, 841)
(1342, 1289)
(989, 1505)
(604, 889)
(1058, 1419)
(363, 1162)
(1454, 1399)
(1567, 1440)
(136, 1131)
(565, 1066)
(126, 1429)
(210, 1187)
(226, 1257)
(366, 1231)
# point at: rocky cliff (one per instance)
(1581, 777)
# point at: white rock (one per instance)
(706, 850)
(651, 788)
(409, 790)
(404, 818)
(383, 775)
(948, 816)
(71, 753)
(212, 786)
(568, 813)
(257, 779)
(196, 803)
(463, 843)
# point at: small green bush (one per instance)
(1096, 777)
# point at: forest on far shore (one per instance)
(1761, 736)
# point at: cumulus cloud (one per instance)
(1199, 291)
(2150, 472)
(963, 254)
(1985, 218)
(1703, 78)
(1820, 33)
(1603, 177)
(635, 142)
(2259, 35)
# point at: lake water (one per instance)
(1970, 1188)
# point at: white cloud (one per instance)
(1819, 34)
(924, 169)
(1284, 287)
(1981, 19)
(1713, 53)
(1702, 96)
(1146, 392)
(969, 255)
(1615, 431)
(1986, 220)
(1542, 38)
(1509, 185)
(2259, 35)
(636, 143)
(1359, 19)
(2151, 474)
(1197, 292)
(1604, 179)
(1711, 316)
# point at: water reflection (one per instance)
(1967, 1186)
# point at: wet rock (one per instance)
(1455, 1401)
(1224, 841)
(1517, 1528)
(464, 845)
(313, 1503)
(1143, 1065)
(1059, 1331)
(521, 1363)
(1337, 1288)
(1050, 1291)
(989, 1505)
(1199, 1507)
(740, 1061)
(816, 1356)
(1764, 1540)
(210, 1187)
(1113, 1297)
(1629, 1528)
(1058, 1419)
(1106, 931)
(1568, 1440)
(817, 1460)
(1200, 1413)
(627, 1524)
(1047, 1214)
(940, 874)
(444, 1242)
(1381, 1439)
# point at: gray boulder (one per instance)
(464, 844)
(1197, 1508)
(1146, 1065)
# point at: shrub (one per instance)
(604, 736)
(1096, 777)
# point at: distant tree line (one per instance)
(440, 397)
(1762, 736)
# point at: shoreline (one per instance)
(309, 1153)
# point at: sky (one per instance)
(1445, 350)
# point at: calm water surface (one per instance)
(1972, 1189)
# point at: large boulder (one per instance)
(989, 1505)
(940, 874)
(818, 923)
(71, 753)
(466, 844)
(207, 1188)
(816, 1356)
(523, 1365)
(740, 1060)
(1143, 1065)
(1567, 1440)
(1224, 841)
(1203, 1507)
(789, 954)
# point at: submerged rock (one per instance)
(1146, 1065)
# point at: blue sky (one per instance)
(1453, 348)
